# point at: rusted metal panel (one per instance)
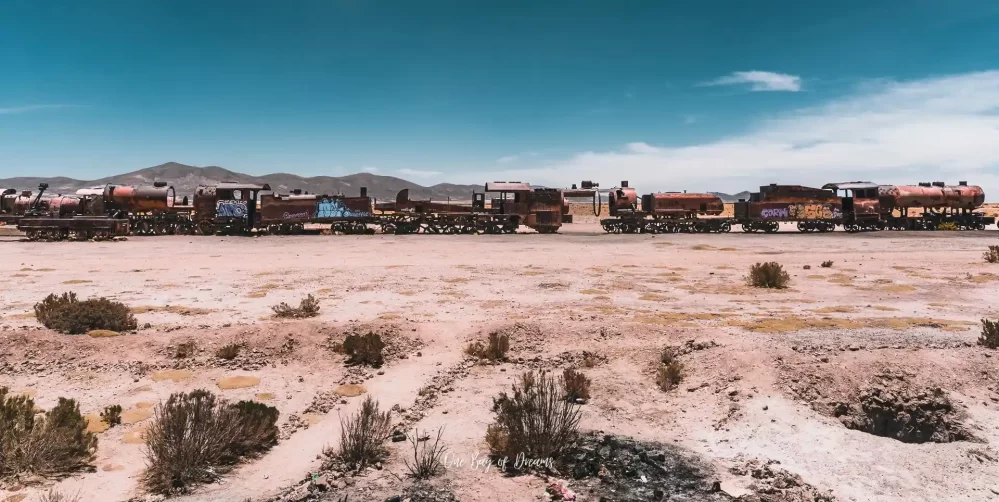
(622, 200)
(682, 204)
(790, 211)
(507, 186)
(850, 185)
(279, 209)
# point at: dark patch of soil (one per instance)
(773, 484)
(612, 468)
(894, 409)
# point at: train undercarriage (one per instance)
(665, 225)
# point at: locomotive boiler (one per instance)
(927, 206)
(663, 212)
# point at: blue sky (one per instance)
(720, 95)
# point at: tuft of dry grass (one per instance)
(363, 349)
(111, 415)
(56, 496)
(308, 307)
(768, 275)
(66, 314)
(827, 264)
(498, 346)
(362, 436)
(428, 458)
(669, 376)
(185, 349)
(991, 255)
(229, 351)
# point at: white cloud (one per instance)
(369, 169)
(938, 129)
(761, 81)
(416, 173)
(33, 108)
(689, 119)
(508, 159)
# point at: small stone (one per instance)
(419, 354)
(398, 436)
(732, 391)
(765, 407)
(380, 372)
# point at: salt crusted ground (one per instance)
(892, 303)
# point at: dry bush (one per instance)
(195, 436)
(54, 443)
(536, 420)
(990, 334)
(827, 264)
(364, 349)
(499, 344)
(577, 386)
(992, 255)
(669, 355)
(362, 436)
(428, 459)
(112, 415)
(308, 307)
(669, 375)
(228, 351)
(768, 275)
(66, 314)
(53, 496)
(947, 225)
(186, 349)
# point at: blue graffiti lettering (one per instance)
(230, 209)
(335, 208)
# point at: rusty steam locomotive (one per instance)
(239, 209)
(855, 206)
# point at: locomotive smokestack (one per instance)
(624, 184)
(364, 191)
(938, 183)
(962, 183)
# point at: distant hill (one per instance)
(185, 180)
(733, 197)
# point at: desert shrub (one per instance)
(112, 415)
(428, 458)
(362, 436)
(947, 225)
(535, 420)
(669, 355)
(308, 307)
(364, 349)
(228, 351)
(55, 496)
(668, 376)
(66, 314)
(992, 255)
(195, 436)
(257, 428)
(54, 443)
(499, 344)
(827, 264)
(990, 334)
(186, 349)
(768, 275)
(577, 386)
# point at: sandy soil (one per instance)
(902, 302)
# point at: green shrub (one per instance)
(308, 307)
(535, 420)
(66, 314)
(768, 275)
(56, 442)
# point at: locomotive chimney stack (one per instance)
(364, 191)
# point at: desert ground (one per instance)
(766, 372)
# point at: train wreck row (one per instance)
(247, 209)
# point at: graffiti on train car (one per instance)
(230, 209)
(335, 208)
(304, 215)
(814, 212)
(774, 213)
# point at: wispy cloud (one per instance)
(416, 173)
(508, 159)
(369, 169)
(689, 119)
(760, 81)
(34, 108)
(936, 129)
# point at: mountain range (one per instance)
(185, 180)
